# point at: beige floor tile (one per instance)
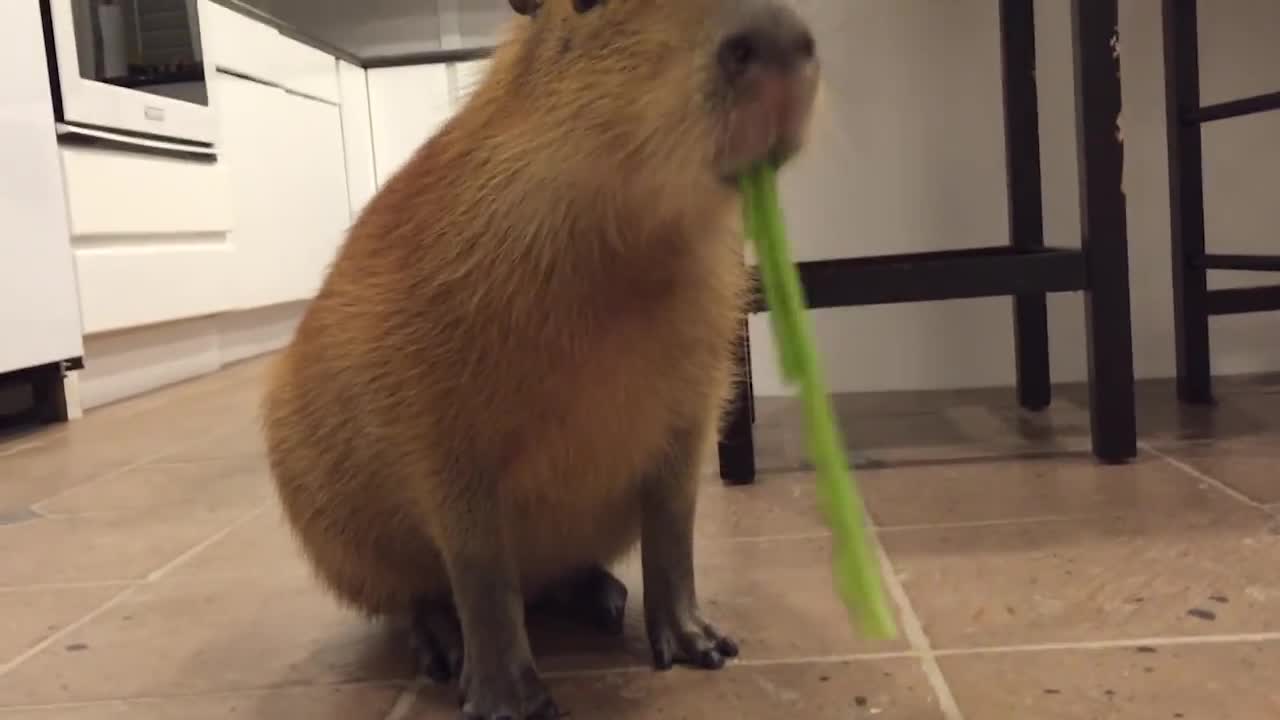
(177, 487)
(884, 689)
(777, 504)
(775, 598)
(262, 548)
(42, 464)
(318, 703)
(1074, 485)
(1204, 682)
(1245, 407)
(200, 638)
(1140, 551)
(1070, 581)
(1250, 464)
(104, 548)
(28, 617)
(892, 429)
(244, 443)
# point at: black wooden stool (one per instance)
(1026, 270)
(1193, 301)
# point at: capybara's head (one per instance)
(688, 88)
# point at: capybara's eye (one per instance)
(584, 5)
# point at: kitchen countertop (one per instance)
(382, 33)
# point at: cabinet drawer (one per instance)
(163, 196)
(307, 70)
(242, 45)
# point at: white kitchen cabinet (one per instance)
(316, 192)
(244, 46)
(252, 131)
(286, 164)
(240, 44)
(407, 105)
(307, 70)
(39, 307)
(357, 134)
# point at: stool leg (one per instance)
(737, 446)
(1104, 223)
(1186, 202)
(1026, 207)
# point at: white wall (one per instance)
(908, 155)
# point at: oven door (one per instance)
(133, 66)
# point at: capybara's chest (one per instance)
(609, 412)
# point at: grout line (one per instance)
(1116, 644)
(827, 659)
(230, 693)
(1031, 519)
(145, 460)
(882, 529)
(603, 672)
(1193, 472)
(406, 702)
(184, 557)
(913, 629)
(87, 585)
(783, 537)
(17, 448)
(56, 637)
(738, 663)
(123, 595)
(407, 698)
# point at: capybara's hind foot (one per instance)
(437, 640)
(592, 596)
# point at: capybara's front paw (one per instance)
(506, 695)
(687, 639)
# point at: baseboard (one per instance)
(123, 364)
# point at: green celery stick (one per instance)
(857, 566)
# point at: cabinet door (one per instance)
(252, 129)
(316, 175)
(406, 105)
(287, 171)
(39, 306)
(357, 136)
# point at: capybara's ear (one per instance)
(526, 7)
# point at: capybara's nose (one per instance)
(769, 34)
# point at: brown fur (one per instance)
(550, 287)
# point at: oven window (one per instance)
(147, 45)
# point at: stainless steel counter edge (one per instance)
(425, 57)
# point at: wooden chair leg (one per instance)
(1104, 224)
(1026, 204)
(1186, 202)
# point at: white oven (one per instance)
(132, 69)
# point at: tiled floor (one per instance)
(145, 573)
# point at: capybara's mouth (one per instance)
(769, 124)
